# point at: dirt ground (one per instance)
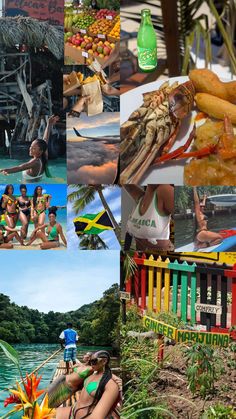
(172, 383)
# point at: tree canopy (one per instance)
(96, 323)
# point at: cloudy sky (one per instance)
(112, 195)
(58, 281)
(93, 161)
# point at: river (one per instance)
(31, 356)
(184, 228)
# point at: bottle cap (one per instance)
(145, 12)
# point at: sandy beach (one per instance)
(33, 246)
(37, 242)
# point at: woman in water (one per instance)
(203, 237)
(99, 395)
(10, 206)
(39, 204)
(6, 235)
(149, 222)
(34, 169)
(24, 210)
(50, 238)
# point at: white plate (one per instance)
(173, 171)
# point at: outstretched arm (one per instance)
(25, 166)
(197, 207)
(52, 120)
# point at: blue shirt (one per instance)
(70, 336)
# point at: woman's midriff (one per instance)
(11, 208)
(143, 244)
(85, 400)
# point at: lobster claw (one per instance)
(181, 99)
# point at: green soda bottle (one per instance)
(147, 43)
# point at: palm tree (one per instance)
(92, 242)
(85, 194)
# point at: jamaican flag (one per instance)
(93, 223)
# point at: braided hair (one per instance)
(107, 375)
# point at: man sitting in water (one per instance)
(69, 337)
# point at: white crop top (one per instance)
(151, 225)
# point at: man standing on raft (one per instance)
(68, 339)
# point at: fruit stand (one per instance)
(90, 34)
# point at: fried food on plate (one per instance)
(215, 106)
(205, 81)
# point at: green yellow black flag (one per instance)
(93, 223)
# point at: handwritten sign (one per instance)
(83, 31)
(85, 54)
(160, 327)
(101, 36)
(109, 17)
(208, 308)
(51, 10)
(181, 336)
(124, 295)
(206, 338)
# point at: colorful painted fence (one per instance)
(164, 285)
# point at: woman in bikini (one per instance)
(149, 222)
(10, 206)
(39, 204)
(203, 237)
(24, 210)
(6, 235)
(99, 395)
(66, 385)
(34, 169)
(50, 236)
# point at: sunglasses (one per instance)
(95, 361)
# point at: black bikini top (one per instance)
(24, 204)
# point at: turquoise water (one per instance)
(31, 356)
(57, 169)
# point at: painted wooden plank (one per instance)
(233, 313)
(184, 296)
(175, 292)
(128, 285)
(224, 301)
(158, 289)
(203, 294)
(213, 297)
(143, 287)
(150, 285)
(182, 266)
(193, 295)
(156, 263)
(136, 286)
(166, 289)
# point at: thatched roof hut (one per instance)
(31, 32)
